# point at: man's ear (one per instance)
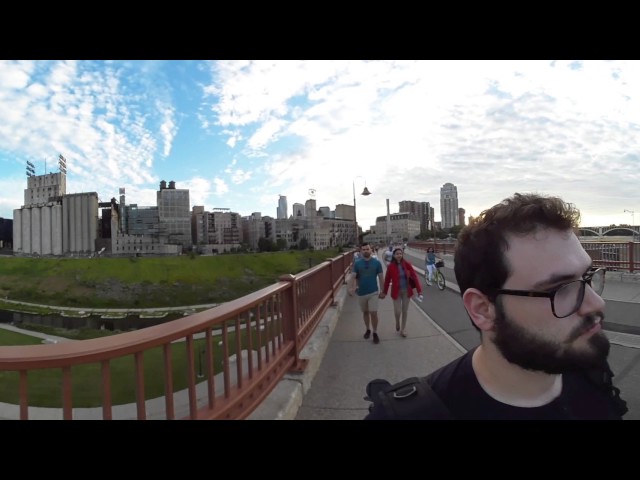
(481, 310)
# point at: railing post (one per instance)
(631, 259)
(331, 270)
(290, 320)
(343, 266)
(347, 260)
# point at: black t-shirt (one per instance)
(458, 388)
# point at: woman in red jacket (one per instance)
(403, 279)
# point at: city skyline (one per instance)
(238, 134)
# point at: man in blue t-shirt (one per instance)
(366, 277)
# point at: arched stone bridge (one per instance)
(610, 231)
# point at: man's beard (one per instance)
(529, 351)
(366, 254)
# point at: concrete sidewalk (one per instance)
(339, 386)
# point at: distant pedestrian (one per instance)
(366, 276)
(402, 278)
(430, 264)
(388, 255)
(531, 291)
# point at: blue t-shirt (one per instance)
(431, 258)
(367, 274)
(403, 278)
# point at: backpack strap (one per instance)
(603, 379)
(410, 399)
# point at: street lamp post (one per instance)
(365, 192)
(633, 222)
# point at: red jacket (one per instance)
(392, 276)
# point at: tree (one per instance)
(455, 230)
(265, 245)
(281, 244)
(303, 244)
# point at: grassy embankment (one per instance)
(45, 386)
(146, 282)
(125, 283)
(141, 282)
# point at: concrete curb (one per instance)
(285, 400)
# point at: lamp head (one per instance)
(365, 192)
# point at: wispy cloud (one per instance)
(243, 132)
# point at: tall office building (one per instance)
(198, 225)
(395, 227)
(298, 210)
(421, 210)
(461, 212)
(224, 227)
(282, 207)
(325, 212)
(310, 208)
(123, 210)
(253, 228)
(449, 205)
(174, 214)
(141, 220)
(6, 232)
(345, 211)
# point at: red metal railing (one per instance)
(439, 247)
(620, 256)
(242, 348)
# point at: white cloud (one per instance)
(220, 186)
(199, 191)
(239, 177)
(265, 134)
(408, 127)
(168, 130)
(14, 75)
(11, 188)
(282, 127)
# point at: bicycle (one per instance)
(441, 282)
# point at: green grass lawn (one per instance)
(139, 282)
(142, 282)
(7, 337)
(45, 385)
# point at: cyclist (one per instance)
(430, 264)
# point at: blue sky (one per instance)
(239, 133)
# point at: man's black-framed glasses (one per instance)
(567, 298)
